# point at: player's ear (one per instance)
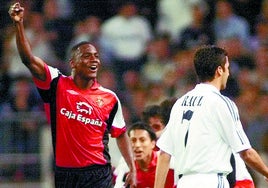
(72, 63)
(219, 70)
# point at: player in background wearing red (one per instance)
(143, 139)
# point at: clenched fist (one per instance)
(16, 12)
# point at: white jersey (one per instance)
(203, 130)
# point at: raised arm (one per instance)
(123, 144)
(34, 64)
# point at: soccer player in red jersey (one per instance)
(82, 113)
(143, 139)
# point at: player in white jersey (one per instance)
(204, 128)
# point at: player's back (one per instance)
(204, 149)
(195, 126)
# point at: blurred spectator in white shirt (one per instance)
(128, 33)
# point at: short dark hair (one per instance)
(75, 47)
(140, 125)
(151, 111)
(166, 107)
(207, 59)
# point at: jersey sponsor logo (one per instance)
(83, 109)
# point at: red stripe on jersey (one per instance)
(115, 132)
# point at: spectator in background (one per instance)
(260, 27)
(158, 59)
(249, 91)
(247, 9)
(103, 9)
(263, 14)
(173, 16)
(156, 93)
(199, 31)
(261, 61)
(148, 9)
(183, 77)
(65, 8)
(58, 21)
(23, 99)
(20, 121)
(227, 24)
(128, 33)
(260, 37)
(134, 96)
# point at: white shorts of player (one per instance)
(203, 181)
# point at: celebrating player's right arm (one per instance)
(34, 64)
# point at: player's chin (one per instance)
(92, 75)
(138, 156)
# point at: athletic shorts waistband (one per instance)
(192, 174)
(91, 167)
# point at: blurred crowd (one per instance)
(146, 48)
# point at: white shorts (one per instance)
(203, 181)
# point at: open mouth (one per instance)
(138, 153)
(93, 67)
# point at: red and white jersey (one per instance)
(80, 120)
(145, 179)
(242, 172)
(203, 130)
(242, 175)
